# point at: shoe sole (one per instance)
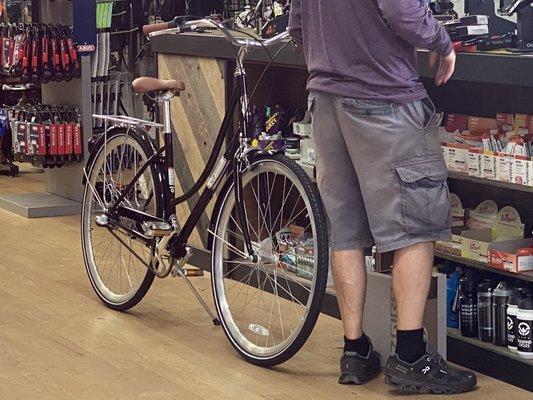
(352, 379)
(410, 387)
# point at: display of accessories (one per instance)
(38, 53)
(46, 135)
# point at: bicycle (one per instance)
(269, 253)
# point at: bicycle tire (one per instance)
(145, 147)
(321, 254)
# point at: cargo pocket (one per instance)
(425, 195)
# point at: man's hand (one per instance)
(446, 66)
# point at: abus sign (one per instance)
(86, 48)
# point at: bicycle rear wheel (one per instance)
(269, 306)
(116, 263)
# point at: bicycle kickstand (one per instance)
(178, 271)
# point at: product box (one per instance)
(522, 171)
(456, 157)
(481, 126)
(475, 242)
(505, 122)
(513, 256)
(456, 122)
(489, 165)
(475, 162)
(484, 216)
(504, 167)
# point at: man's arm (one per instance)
(413, 22)
(295, 22)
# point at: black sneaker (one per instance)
(429, 374)
(356, 369)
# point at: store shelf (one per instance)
(502, 351)
(496, 68)
(484, 267)
(488, 182)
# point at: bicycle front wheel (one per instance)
(269, 305)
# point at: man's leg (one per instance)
(349, 275)
(411, 281)
(348, 231)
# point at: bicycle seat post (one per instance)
(167, 132)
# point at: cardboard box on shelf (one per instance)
(480, 126)
(475, 242)
(505, 122)
(456, 157)
(475, 162)
(522, 168)
(484, 216)
(456, 122)
(514, 255)
(504, 167)
(489, 165)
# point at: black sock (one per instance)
(361, 345)
(410, 345)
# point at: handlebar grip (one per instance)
(147, 29)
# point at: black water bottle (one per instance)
(485, 294)
(524, 328)
(499, 313)
(468, 306)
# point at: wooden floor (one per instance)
(58, 342)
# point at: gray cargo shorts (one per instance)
(380, 172)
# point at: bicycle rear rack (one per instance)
(124, 120)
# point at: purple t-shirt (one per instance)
(366, 49)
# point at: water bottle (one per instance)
(512, 311)
(524, 328)
(499, 313)
(452, 284)
(468, 307)
(484, 311)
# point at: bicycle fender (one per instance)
(100, 141)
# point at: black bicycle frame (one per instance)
(212, 174)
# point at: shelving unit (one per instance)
(497, 184)
(504, 351)
(525, 276)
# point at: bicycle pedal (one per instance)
(193, 272)
(156, 228)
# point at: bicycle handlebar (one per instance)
(195, 25)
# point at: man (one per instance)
(380, 169)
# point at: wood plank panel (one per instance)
(196, 116)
